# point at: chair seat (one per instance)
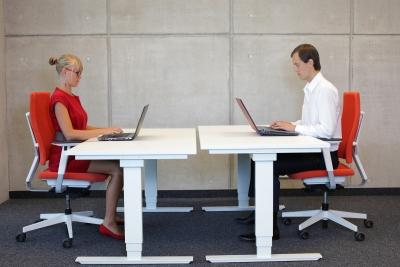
(84, 176)
(341, 170)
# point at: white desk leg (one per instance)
(264, 202)
(150, 189)
(150, 183)
(264, 210)
(133, 208)
(133, 224)
(243, 182)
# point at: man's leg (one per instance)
(250, 217)
(291, 163)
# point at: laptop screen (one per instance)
(140, 122)
(246, 114)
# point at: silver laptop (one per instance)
(125, 136)
(262, 130)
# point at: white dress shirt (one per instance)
(321, 110)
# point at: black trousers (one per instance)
(286, 164)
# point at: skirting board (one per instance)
(384, 191)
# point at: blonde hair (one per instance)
(65, 61)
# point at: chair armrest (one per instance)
(32, 172)
(65, 145)
(35, 163)
(331, 140)
(356, 156)
(69, 143)
(329, 168)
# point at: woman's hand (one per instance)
(112, 130)
(283, 125)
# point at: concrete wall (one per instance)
(4, 182)
(190, 58)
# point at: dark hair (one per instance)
(307, 52)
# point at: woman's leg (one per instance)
(114, 189)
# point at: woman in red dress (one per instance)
(70, 121)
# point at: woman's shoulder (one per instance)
(59, 95)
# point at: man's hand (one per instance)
(283, 125)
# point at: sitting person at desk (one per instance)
(70, 121)
(320, 118)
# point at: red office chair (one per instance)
(43, 134)
(351, 126)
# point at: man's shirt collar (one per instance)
(310, 86)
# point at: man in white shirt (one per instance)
(320, 118)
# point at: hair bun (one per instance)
(53, 60)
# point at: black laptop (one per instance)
(262, 130)
(125, 136)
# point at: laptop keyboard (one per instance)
(115, 137)
(270, 131)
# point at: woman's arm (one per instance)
(89, 127)
(64, 121)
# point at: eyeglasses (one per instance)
(78, 73)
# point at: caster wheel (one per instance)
(359, 236)
(324, 224)
(368, 223)
(287, 221)
(304, 235)
(21, 237)
(67, 243)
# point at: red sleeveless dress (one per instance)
(78, 118)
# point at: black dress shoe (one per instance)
(252, 237)
(248, 237)
(276, 234)
(249, 219)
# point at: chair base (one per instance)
(56, 218)
(333, 215)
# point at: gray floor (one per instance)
(199, 234)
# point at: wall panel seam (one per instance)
(352, 18)
(109, 58)
(230, 86)
(6, 119)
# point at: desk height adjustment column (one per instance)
(133, 214)
(243, 180)
(150, 184)
(264, 194)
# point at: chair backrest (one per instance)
(42, 125)
(350, 121)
